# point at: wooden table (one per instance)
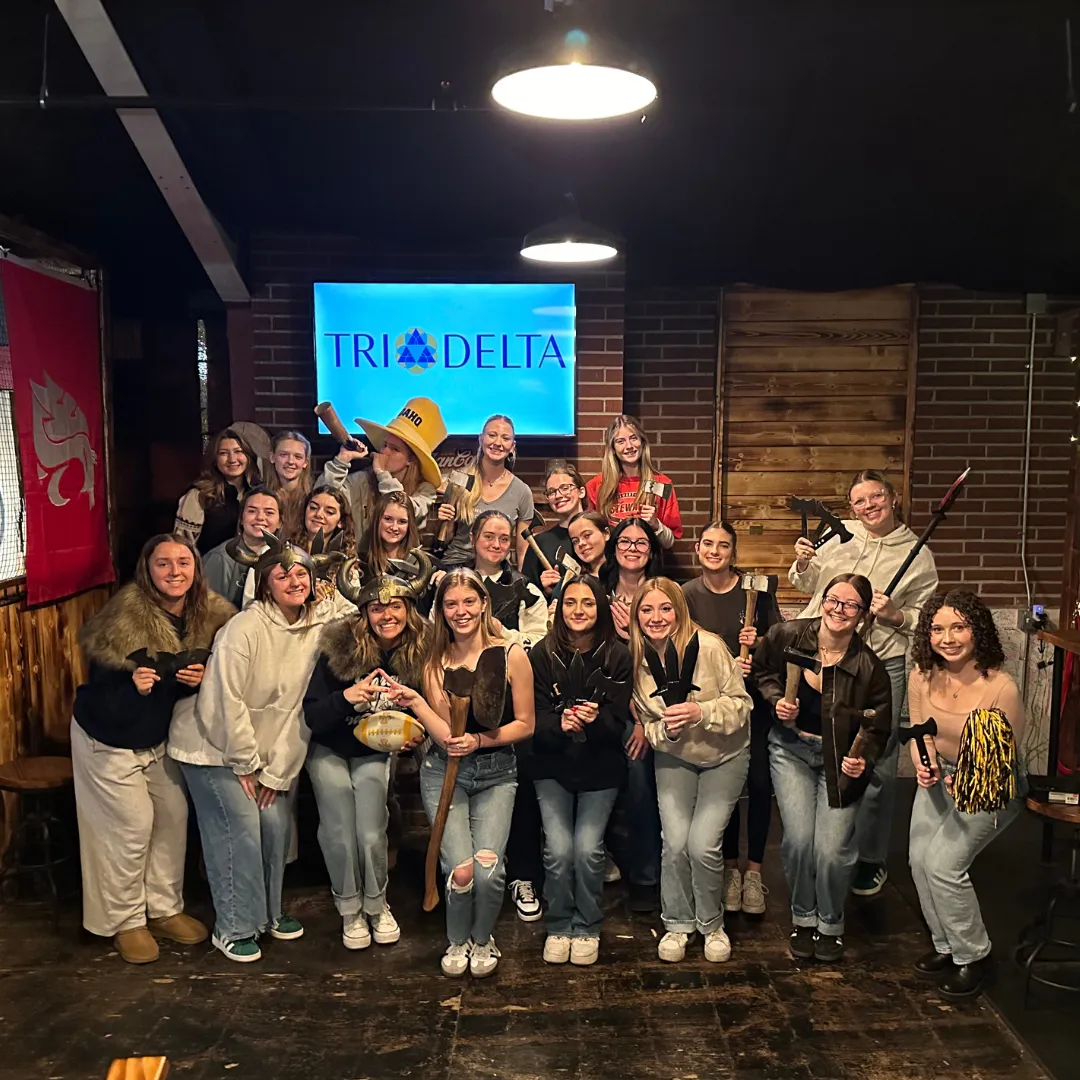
(1063, 641)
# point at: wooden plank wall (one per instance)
(41, 664)
(815, 386)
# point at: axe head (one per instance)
(803, 660)
(460, 479)
(566, 562)
(918, 731)
(458, 681)
(765, 583)
(537, 522)
(656, 489)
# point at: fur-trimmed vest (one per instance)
(329, 716)
(107, 706)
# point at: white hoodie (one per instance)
(876, 559)
(248, 715)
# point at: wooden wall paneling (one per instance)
(812, 388)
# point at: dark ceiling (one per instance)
(795, 143)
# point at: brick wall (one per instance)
(284, 268)
(970, 409)
(669, 382)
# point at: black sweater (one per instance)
(329, 716)
(549, 543)
(600, 761)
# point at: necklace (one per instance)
(825, 653)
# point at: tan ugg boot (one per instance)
(181, 928)
(136, 946)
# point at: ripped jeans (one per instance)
(476, 832)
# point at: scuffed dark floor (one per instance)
(68, 1004)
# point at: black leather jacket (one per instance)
(856, 684)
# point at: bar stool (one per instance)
(34, 851)
(1039, 935)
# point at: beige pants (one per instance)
(132, 811)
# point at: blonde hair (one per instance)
(467, 506)
(611, 470)
(442, 637)
(291, 501)
(410, 480)
(685, 627)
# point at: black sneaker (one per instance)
(642, 899)
(828, 947)
(869, 879)
(801, 943)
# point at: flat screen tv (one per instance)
(473, 349)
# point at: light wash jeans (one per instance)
(479, 820)
(943, 845)
(873, 822)
(574, 825)
(244, 849)
(818, 851)
(353, 815)
(695, 806)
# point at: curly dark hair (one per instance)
(988, 651)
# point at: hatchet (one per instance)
(536, 523)
(651, 490)
(797, 662)
(458, 483)
(328, 415)
(829, 525)
(570, 568)
(754, 585)
(919, 733)
(459, 714)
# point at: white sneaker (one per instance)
(354, 932)
(584, 951)
(753, 894)
(611, 872)
(672, 946)
(556, 949)
(384, 927)
(717, 946)
(733, 886)
(483, 959)
(455, 961)
(525, 900)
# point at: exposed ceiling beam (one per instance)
(96, 36)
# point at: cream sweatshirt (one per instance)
(248, 715)
(876, 559)
(724, 728)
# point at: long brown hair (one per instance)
(377, 556)
(467, 506)
(442, 637)
(211, 484)
(292, 502)
(301, 537)
(410, 480)
(561, 465)
(685, 627)
(196, 599)
(408, 658)
(611, 470)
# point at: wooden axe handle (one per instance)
(328, 415)
(748, 620)
(544, 562)
(445, 529)
(459, 713)
(791, 686)
(858, 749)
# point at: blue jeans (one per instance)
(244, 849)
(476, 831)
(574, 827)
(351, 796)
(695, 805)
(818, 851)
(873, 822)
(638, 854)
(943, 843)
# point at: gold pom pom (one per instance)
(986, 763)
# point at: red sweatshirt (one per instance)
(667, 510)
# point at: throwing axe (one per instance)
(536, 523)
(457, 485)
(919, 732)
(754, 585)
(651, 490)
(796, 662)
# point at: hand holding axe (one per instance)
(570, 568)
(536, 523)
(651, 490)
(796, 662)
(920, 732)
(458, 483)
(863, 740)
(754, 585)
(328, 415)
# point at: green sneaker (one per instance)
(286, 928)
(869, 879)
(243, 950)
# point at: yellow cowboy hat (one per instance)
(420, 427)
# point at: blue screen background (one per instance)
(539, 399)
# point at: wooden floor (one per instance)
(310, 1009)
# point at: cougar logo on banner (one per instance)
(61, 435)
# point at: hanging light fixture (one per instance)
(575, 78)
(568, 239)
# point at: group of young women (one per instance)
(583, 688)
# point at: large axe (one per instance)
(536, 523)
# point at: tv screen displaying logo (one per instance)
(473, 349)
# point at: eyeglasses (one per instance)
(625, 544)
(874, 500)
(562, 489)
(848, 607)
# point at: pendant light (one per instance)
(568, 239)
(575, 78)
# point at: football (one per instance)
(388, 730)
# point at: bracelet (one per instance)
(477, 734)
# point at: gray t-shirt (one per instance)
(516, 502)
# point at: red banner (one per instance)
(56, 370)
